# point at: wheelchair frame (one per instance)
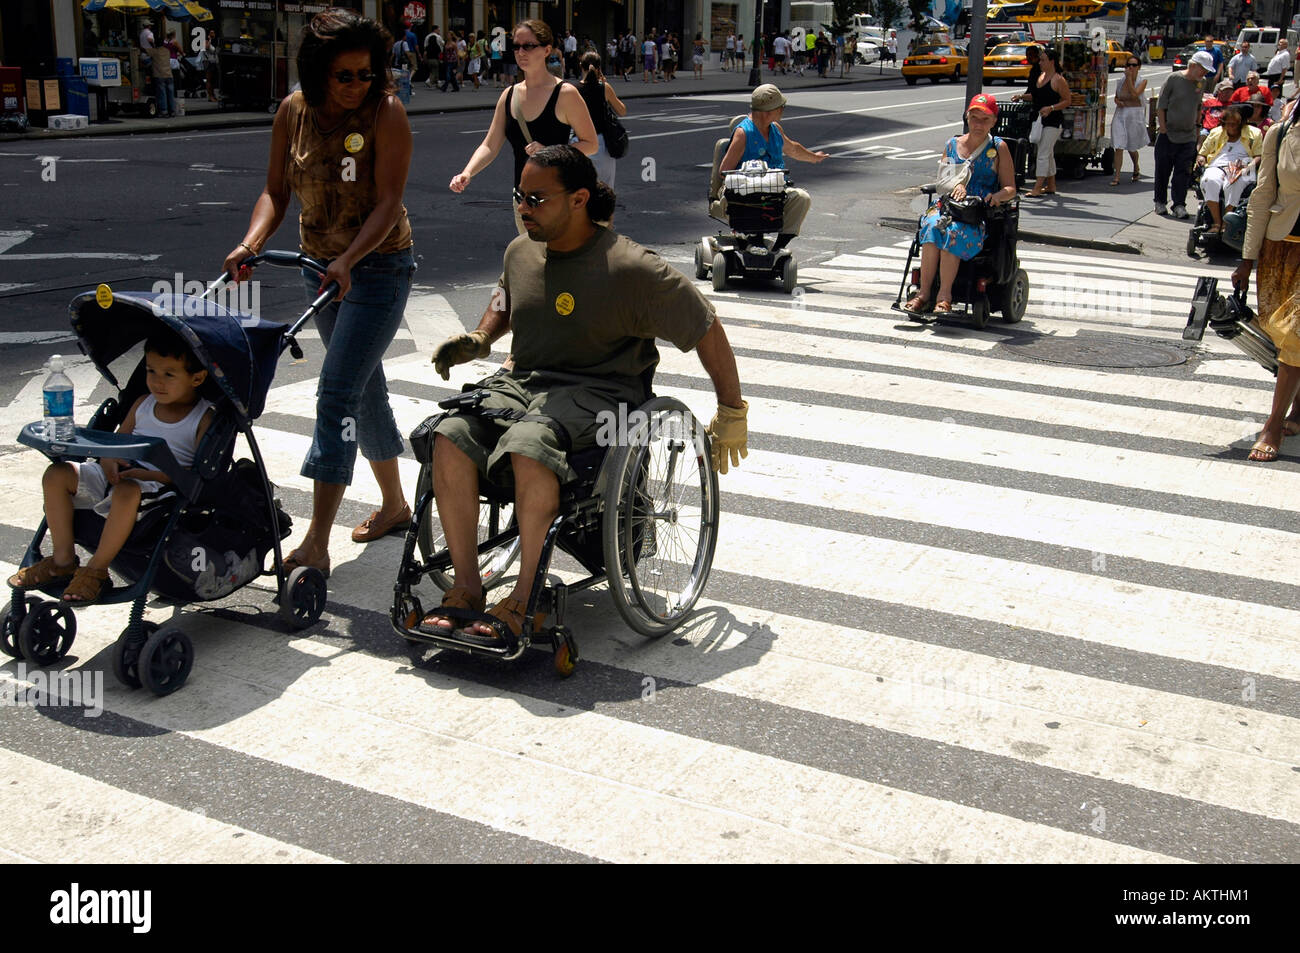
(598, 524)
(1201, 235)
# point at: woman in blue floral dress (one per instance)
(992, 178)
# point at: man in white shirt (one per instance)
(781, 49)
(1278, 65)
(1240, 65)
(570, 54)
(729, 52)
(146, 38)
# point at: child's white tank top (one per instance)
(180, 436)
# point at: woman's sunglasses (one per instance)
(1132, 65)
(528, 47)
(345, 77)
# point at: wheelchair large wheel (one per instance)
(1015, 297)
(492, 519)
(660, 523)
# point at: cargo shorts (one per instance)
(575, 404)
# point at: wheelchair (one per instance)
(752, 205)
(641, 515)
(1230, 317)
(1202, 235)
(991, 281)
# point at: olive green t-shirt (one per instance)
(596, 311)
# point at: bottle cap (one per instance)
(56, 362)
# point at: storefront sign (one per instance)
(268, 5)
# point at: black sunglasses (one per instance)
(528, 47)
(532, 199)
(1132, 65)
(345, 77)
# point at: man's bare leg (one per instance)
(455, 488)
(537, 501)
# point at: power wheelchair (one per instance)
(642, 516)
(752, 210)
(991, 281)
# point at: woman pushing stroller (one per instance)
(117, 489)
(987, 172)
(343, 145)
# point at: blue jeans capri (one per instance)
(352, 410)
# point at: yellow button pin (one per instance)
(104, 297)
(355, 142)
(564, 303)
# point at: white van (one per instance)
(1263, 43)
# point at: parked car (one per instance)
(869, 51)
(935, 63)
(1006, 61)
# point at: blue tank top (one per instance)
(770, 150)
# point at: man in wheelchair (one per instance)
(585, 306)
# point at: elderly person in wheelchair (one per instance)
(1226, 161)
(585, 306)
(981, 165)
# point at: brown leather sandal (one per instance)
(87, 586)
(511, 612)
(917, 304)
(457, 597)
(43, 573)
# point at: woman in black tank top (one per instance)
(1051, 96)
(563, 113)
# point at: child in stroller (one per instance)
(118, 489)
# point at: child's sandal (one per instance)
(87, 586)
(42, 573)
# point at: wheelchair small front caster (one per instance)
(566, 651)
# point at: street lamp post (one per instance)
(755, 71)
(975, 51)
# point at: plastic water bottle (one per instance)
(57, 398)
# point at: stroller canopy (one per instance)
(238, 350)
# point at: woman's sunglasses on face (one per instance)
(528, 47)
(345, 77)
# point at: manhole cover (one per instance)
(1085, 353)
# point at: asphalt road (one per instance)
(136, 209)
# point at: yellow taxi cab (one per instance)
(1116, 56)
(935, 62)
(1006, 61)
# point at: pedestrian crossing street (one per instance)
(965, 606)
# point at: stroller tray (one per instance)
(89, 444)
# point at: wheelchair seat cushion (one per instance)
(588, 414)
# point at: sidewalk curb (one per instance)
(1039, 238)
(207, 119)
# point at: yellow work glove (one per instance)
(458, 349)
(729, 435)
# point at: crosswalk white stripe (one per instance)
(961, 398)
(1117, 532)
(630, 792)
(1083, 380)
(53, 815)
(1027, 251)
(1082, 604)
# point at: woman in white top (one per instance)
(1129, 129)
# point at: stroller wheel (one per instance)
(9, 625)
(303, 599)
(165, 661)
(126, 653)
(47, 633)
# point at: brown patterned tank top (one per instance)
(336, 195)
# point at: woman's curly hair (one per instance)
(336, 31)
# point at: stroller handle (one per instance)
(287, 259)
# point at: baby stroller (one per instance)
(752, 200)
(211, 537)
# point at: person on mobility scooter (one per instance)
(748, 190)
(585, 306)
(967, 239)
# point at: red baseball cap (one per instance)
(985, 102)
